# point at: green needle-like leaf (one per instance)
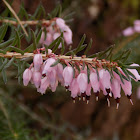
(63, 47)
(80, 44)
(18, 39)
(39, 36)
(56, 46)
(88, 73)
(9, 63)
(55, 63)
(34, 40)
(29, 48)
(88, 47)
(12, 48)
(3, 64)
(3, 30)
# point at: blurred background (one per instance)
(53, 115)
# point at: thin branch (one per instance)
(61, 57)
(15, 15)
(29, 22)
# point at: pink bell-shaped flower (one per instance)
(135, 73)
(137, 22)
(82, 82)
(74, 88)
(47, 67)
(60, 23)
(53, 87)
(49, 39)
(52, 77)
(94, 82)
(104, 77)
(44, 85)
(68, 35)
(37, 62)
(27, 75)
(127, 87)
(36, 78)
(68, 76)
(56, 35)
(128, 31)
(116, 88)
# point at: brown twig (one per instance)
(63, 57)
(28, 22)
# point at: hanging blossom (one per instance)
(79, 81)
(131, 30)
(53, 30)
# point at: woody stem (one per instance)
(61, 57)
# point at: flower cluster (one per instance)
(131, 30)
(80, 81)
(54, 30)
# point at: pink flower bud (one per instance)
(47, 67)
(52, 77)
(53, 87)
(104, 77)
(44, 85)
(82, 82)
(94, 82)
(68, 75)
(68, 35)
(56, 35)
(37, 62)
(127, 87)
(74, 88)
(137, 22)
(49, 51)
(137, 28)
(27, 76)
(48, 39)
(128, 31)
(116, 88)
(60, 23)
(135, 73)
(36, 78)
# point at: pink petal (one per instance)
(116, 88)
(128, 31)
(47, 67)
(36, 78)
(27, 76)
(38, 60)
(94, 82)
(44, 85)
(60, 23)
(74, 88)
(68, 75)
(82, 82)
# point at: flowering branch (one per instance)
(62, 57)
